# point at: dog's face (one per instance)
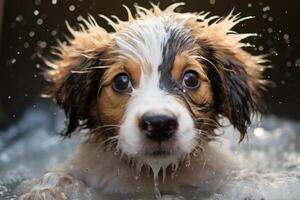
(159, 84)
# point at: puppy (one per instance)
(151, 95)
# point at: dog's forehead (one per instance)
(153, 40)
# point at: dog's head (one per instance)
(158, 84)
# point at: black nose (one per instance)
(158, 127)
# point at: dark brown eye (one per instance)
(122, 83)
(190, 80)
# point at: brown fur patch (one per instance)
(111, 105)
(183, 63)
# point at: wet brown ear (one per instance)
(235, 75)
(242, 87)
(237, 83)
(76, 74)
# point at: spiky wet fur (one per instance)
(76, 81)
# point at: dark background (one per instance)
(30, 27)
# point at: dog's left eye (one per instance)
(190, 79)
(122, 83)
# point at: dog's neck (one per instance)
(105, 168)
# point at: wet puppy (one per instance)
(151, 94)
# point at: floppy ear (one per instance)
(240, 85)
(235, 75)
(76, 72)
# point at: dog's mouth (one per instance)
(160, 152)
(162, 149)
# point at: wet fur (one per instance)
(77, 80)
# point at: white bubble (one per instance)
(212, 2)
(297, 62)
(26, 45)
(38, 66)
(13, 61)
(53, 32)
(19, 18)
(266, 8)
(9, 97)
(270, 30)
(270, 19)
(72, 8)
(261, 48)
(42, 44)
(31, 33)
(39, 21)
(38, 2)
(249, 5)
(260, 133)
(36, 12)
(286, 37)
(54, 2)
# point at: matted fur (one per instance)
(84, 50)
(154, 47)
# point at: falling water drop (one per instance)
(72, 8)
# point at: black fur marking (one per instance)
(178, 42)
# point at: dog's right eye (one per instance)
(122, 83)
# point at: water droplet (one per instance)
(19, 18)
(270, 30)
(31, 33)
(270, 19)
(188, 161)
(26, 45)
(53, 32)
(266, 8)
(212, 2)
(297, 62)
(38, 2)
(39, 21)
(36, 12)
(42, 44)
(72, 8)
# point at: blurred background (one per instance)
(29, 28)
